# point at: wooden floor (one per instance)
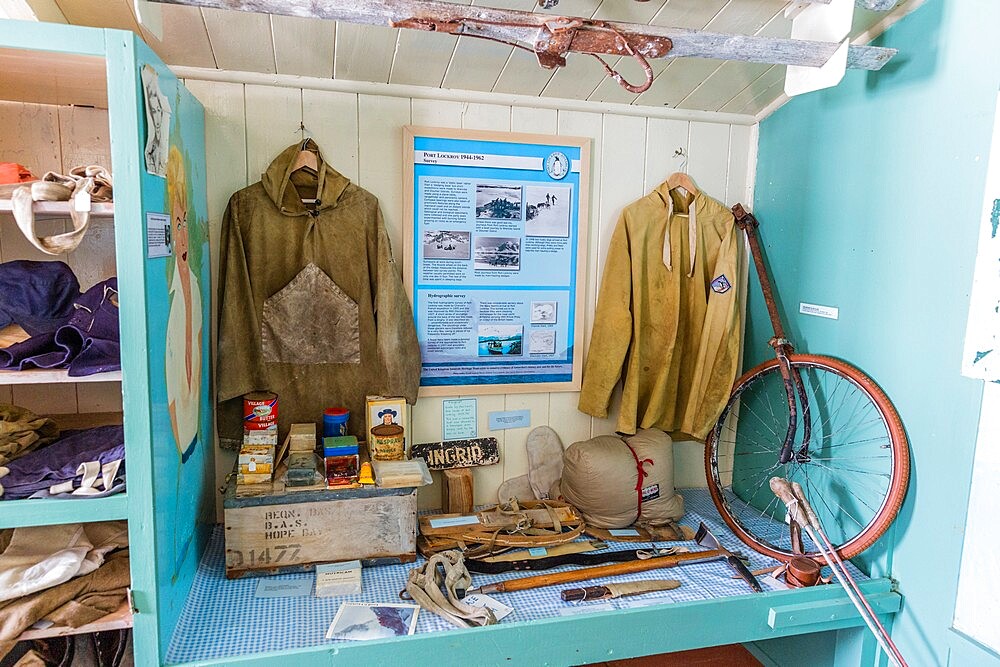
(733, 655)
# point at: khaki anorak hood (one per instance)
(286, 186)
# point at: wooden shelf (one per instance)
(116, 620)
(52, 511)
(81, 420)
(55, 376)
(60, 209)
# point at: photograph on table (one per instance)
(370, 620)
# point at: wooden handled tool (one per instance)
(618, 590)
(612, 570)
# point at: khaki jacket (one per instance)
(311, 305)
(671, 335)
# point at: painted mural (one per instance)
(172, 171)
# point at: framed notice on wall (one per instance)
(495, 235)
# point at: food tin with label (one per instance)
(260, 410)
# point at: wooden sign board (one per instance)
(458, 453)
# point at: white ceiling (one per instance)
(230, 40)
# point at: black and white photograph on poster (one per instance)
(498, 202)
(542, 341)
(370, 620)
(546, 210)
(157, 123)
(500, 339)
(498, 252)
(543, 312)
(446, 244)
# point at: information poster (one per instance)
(496, 225)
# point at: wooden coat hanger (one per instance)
(679, 179)
(306, 158)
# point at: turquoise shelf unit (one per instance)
(20, 513)
(169, 501)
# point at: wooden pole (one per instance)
(534, 31)
(611, 570)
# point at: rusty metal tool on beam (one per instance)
(548, 35)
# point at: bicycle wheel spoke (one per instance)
(822, 498)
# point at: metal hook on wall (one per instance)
(681, 153)
(303, 135)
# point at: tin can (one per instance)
(387, 443)
(335, 421)
(260, 411)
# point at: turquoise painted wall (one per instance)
(869, 196)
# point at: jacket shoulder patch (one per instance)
(721, 284)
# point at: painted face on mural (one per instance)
(179, 231)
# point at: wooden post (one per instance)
(456, 491)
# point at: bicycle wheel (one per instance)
(854, 469)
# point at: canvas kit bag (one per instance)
(617, 481)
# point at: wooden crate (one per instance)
(293, 531)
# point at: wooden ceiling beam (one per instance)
(541, 32)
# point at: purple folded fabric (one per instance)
(37, 296)
(88, 343)
(58, 462)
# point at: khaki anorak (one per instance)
(311, 305)
(667, 324)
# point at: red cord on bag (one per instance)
(639, 467)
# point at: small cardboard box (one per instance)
(253, 478)
(256, 459)
(292, 531)
(264, 437)
(302, 437)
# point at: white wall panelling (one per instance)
(360, 135)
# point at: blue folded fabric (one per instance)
(37, 296)
(86, 344)
(58, 462)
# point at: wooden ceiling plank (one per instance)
(677, 81)
(421, 58)
(732, 77)
(755, 88)
(241, 41)
(478, 63)
(522, 75)
(766, 98)
(104, 14)
(364, 53)
(185, 38)
(723, 85)
(303, 46)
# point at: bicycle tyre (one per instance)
(765, 378)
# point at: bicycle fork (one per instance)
(794, 387)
